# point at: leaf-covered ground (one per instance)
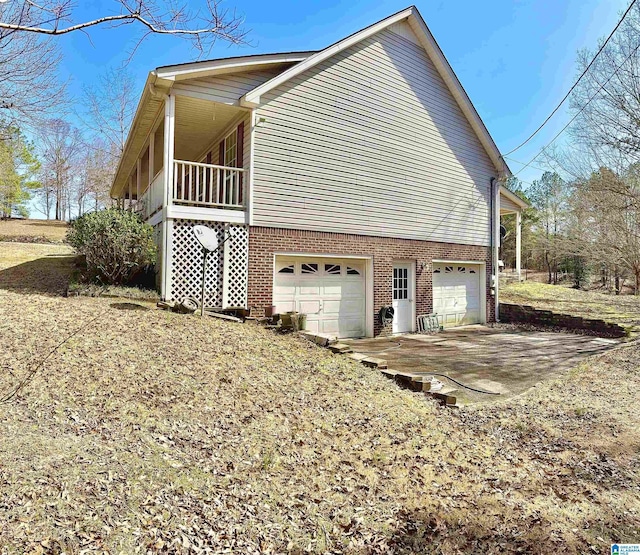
(33, 231)
(154, 432)
(619, 309)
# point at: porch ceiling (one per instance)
(199, 123)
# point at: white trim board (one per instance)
(229, 65)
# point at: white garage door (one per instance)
(456, 293)
(331, 292)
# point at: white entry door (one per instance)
(456, 293)
(403, 297)
(330, 291)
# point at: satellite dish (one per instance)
(207, 237)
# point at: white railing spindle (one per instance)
(208, 185)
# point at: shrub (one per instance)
(116, 243)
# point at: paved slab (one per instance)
(504, 361)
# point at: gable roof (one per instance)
(412, 16)
(205, 68)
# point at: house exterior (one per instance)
(347, 179)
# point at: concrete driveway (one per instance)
(492, 359)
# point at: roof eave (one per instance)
(514, 198)
(153, 86)
(253, 96)
(227, 65)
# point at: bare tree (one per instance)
(109, 109)
(96, 174)
(202, 23)
(29, 85)
(550, 196)
(606, 103)
(60, 145)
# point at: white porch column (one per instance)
(152, 147)
(138, 181)
(518, 242)
(130, 192)
(168, 150)
(496, 247)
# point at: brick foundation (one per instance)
(265, 241)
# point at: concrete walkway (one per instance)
(501, 360)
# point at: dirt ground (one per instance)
(127, 429)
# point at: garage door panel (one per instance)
(312, 290)
(309, 307)
(286, 306)
(456, 293)
(285, 290)
(332, 297)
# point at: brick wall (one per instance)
(264, 241)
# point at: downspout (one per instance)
(495, 231)
(165, 235)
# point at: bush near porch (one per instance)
(117, 245)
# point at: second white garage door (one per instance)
(456, 293)
(331, 292)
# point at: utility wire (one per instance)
(579, 111)
(574, 85)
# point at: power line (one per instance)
(575, 84)
(579, 111)
(524, 163)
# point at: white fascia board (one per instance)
(216, 67)
(153, 87)
(252, 98)
(513, 197)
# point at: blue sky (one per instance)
(515, 58)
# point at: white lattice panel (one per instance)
(186, 265)
(236, 263)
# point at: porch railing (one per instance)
(151, 200)
(208, 185)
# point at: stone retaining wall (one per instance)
(514, 314)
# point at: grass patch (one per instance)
(161, 433)
(33, 231)
(618, 309)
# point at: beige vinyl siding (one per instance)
(226, 89)
(371, 141)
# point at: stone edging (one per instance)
(515, 313)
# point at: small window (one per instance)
(400, 283)
(462, 269)
(333, 269)
(286, 270)
(472, 271)
(448, 269)
(437, 270)
(309, 269)
(352, 271)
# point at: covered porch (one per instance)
(186, 156)
(512, 204)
